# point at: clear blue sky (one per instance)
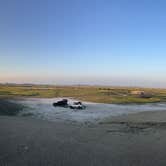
(116, 42)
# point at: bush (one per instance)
(9, 108)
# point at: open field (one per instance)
(97, 94)
(132, 139)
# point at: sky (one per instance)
(97, 42)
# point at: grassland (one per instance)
(121, 95)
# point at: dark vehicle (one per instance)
(61, 103)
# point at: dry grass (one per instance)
(86, 93)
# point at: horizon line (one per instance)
(90, 85)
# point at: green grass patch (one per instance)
(120, 95)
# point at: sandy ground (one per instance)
(142, 117)
(129, 140)
(43, 109)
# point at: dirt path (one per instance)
(31, 142)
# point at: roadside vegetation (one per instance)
(120, 95)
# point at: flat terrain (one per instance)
(128, 140)
(30, 142)
(85, 93)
